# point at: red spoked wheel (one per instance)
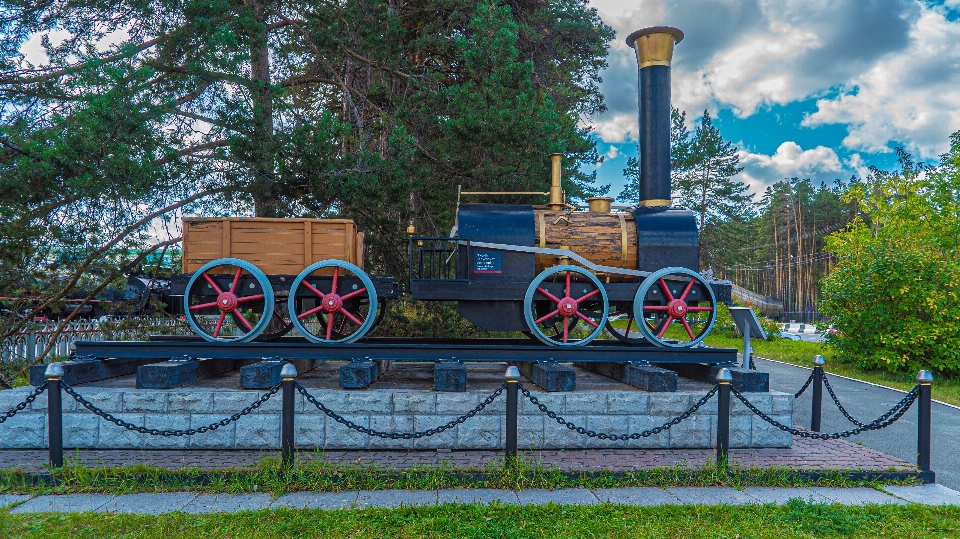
(228, 300)
(558, 299)
(279, 325)
(678, 306)
(333, 301)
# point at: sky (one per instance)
(817, 89)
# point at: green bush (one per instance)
(894, 292)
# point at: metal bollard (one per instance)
(53, 374)
(724, 379)
(513, 386)
(924, 409)
(816, 414)
(288, 375)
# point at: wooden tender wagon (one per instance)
(256, 278)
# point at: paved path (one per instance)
(807, 455)
(227, 503)
(865, 402)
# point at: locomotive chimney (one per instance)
(654, 48)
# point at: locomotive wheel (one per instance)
(343, 314)
(214, 291)
(629, 335)
(584, 300)
(676, 300)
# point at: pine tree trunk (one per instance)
(265, 202)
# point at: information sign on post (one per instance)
(749, 326)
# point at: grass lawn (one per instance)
(318, 476)
(802, 352)
(795, 519)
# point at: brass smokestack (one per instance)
(556, 192)
(654, 48)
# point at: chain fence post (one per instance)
(816, 414)
(288, 375)
(513, 385)
(924, 409)
(724, 378)
(53, 375)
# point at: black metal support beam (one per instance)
(745, 380)
(493, 350)
(550, 376)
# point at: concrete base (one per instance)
(175, 373)
(360, 374)
(266, 374)
(449, 376)
(645, 377)
(83, 371)
(549, 376)
(745, 380)
(620, 411)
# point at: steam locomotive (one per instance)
(561, 273)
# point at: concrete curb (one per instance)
(169, 502)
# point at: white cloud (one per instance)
(790, 160)
(33, 50)
(911, 97)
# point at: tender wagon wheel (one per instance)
(346, 302)
(674, 295)
(222, 306)
(581, 300)
(631, 334)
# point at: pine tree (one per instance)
(704, 179)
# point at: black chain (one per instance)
(399, 435)
(805, 385)
(620, 437)
(881, 422)
(23, 405)
(156, 432)
(837, 402)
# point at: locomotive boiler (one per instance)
(560, 273)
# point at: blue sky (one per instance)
(816, 89)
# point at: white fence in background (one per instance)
(28, 344)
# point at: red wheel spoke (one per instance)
(216, 331)
(352, 318)
(590, 295)
(249, 298)
(566, 324)
(333, 288)
(330, 326)
(587, 320)
(243, 320)
(212, 283)
(553, 298)
(655, 307)
(353, 294)
(567, 293)
(687, 289)
(343, 324)
(686, 326)
(312, 289)
(696, 309)
(629, 321)
(545, 317)
(236, 279)
(649, 325)
(665, 326)
(301, 316)
(203, 306)
(666, 289)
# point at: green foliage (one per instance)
(895, 289)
